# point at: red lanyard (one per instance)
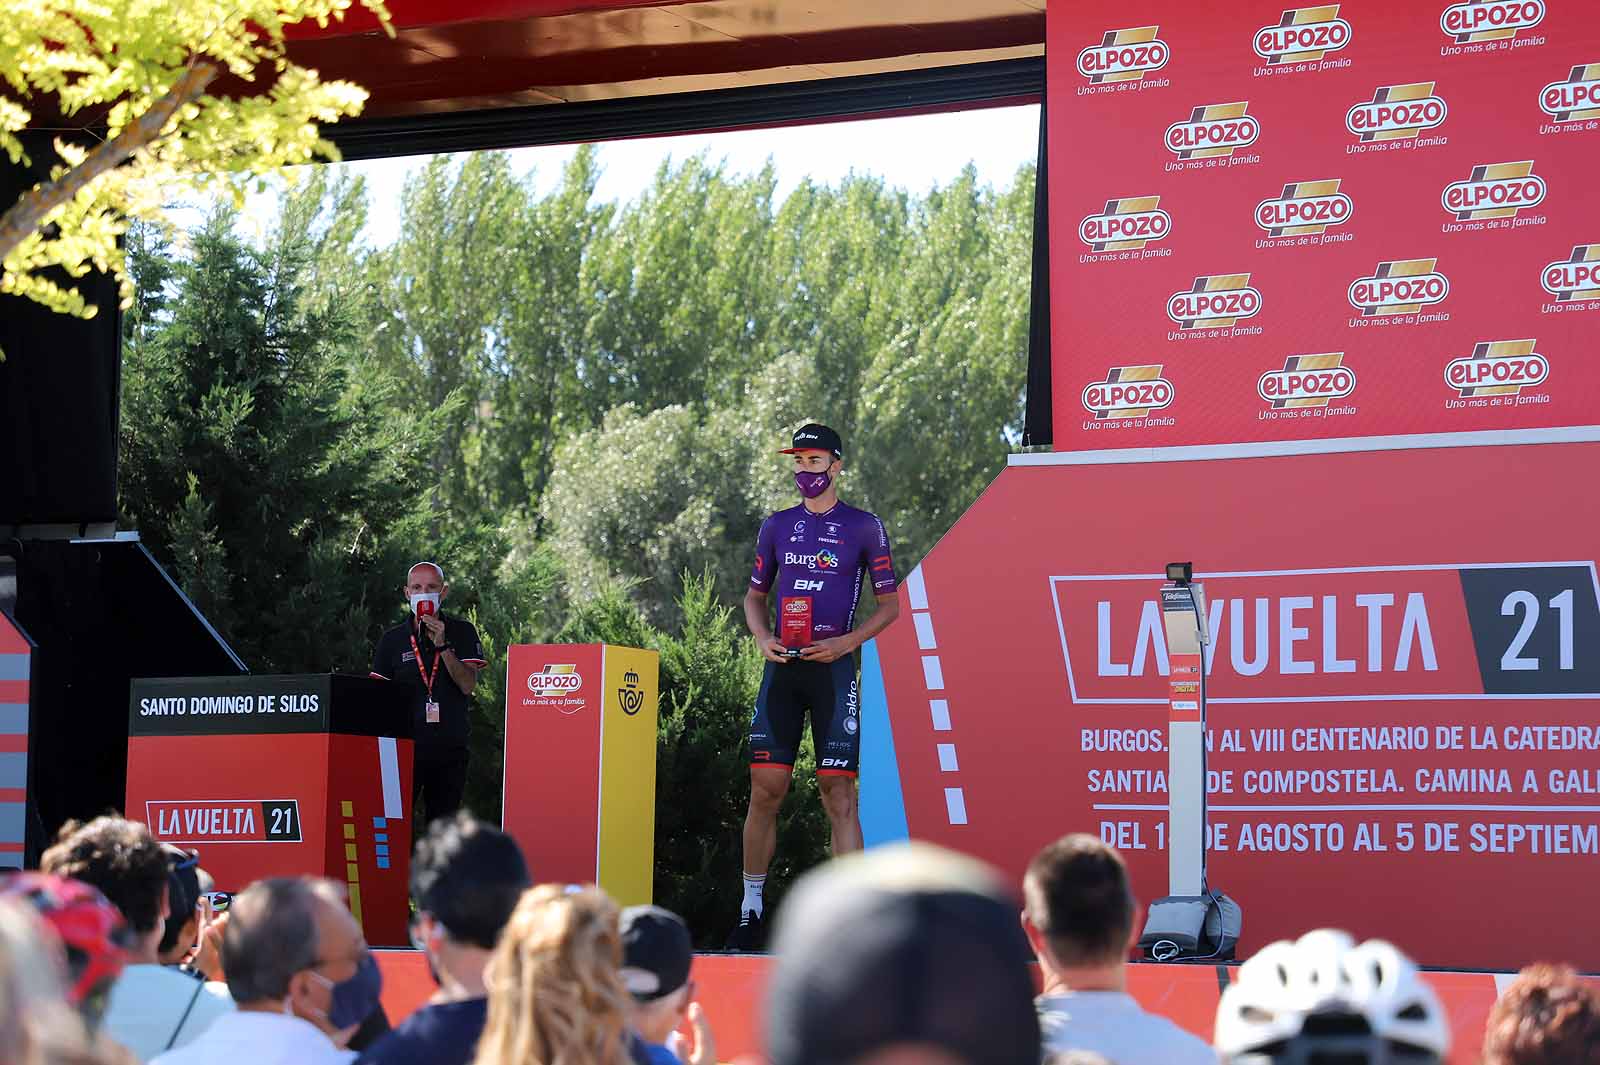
(427, 678)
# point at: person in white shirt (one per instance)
(152, 1007)
(301, 974)
(1078, 915)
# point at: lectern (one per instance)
(281, 776)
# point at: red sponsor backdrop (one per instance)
(1156, 183)
(1403, 687)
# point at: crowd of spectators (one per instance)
(116, 951)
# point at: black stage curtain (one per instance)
(59, 389)
(1037, 428)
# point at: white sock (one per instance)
(752, 894)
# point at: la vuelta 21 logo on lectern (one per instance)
(630, 696)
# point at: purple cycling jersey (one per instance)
(823, 558)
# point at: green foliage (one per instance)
(142, 71)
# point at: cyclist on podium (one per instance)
(818, 555)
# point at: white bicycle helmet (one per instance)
(1323, 1000)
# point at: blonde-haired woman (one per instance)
(555, 994)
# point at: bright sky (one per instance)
(913, 153)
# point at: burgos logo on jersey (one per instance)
(1397, 112)
(1128, 392)
(1127, 223)
(1219, 300)
(555, 680)
(1497, 368)
(1305, 208)
(1401, 286)
(1495, 190)
(1303, 34)
(823, 559)
(1307, 381)
(1490, 20)
(1124, 55)
(1575, 99)
(1213, 130)
(1575, 278)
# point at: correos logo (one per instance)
(555, 680)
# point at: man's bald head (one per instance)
(272, 934)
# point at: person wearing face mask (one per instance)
(438, 656)
(466, 878)
(819, 556)
(300, 973)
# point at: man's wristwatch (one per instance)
(442, 648)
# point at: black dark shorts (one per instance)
(830, 693)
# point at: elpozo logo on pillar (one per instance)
(1128, 392)
(1397, 112)
(1124, 55)
(1489, 20)
(1495, 190)
(560, 679)
(1213, 130)
(1303, 35)
(1577, 98)
(1497, 368)
(1400, 286)
(1307, 381)
(1218, 300)
(1574, 278)
(1126, 224)
(1306, 208)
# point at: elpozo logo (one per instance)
(1575, 99)
(1307, 381)
(1127, 223)
(1490, 20)
(1303, 34)
(1218, 300)
(1400, 286)
(1305, 208)
(561, 679)
(1495, 190)
(1497, 368)
(1397, 112)
(1575, 278)
(1124, 55)
(1128, 392)
(1213, 130)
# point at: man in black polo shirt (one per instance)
(439, 657)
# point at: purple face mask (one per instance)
(811, 485)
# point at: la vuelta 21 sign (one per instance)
(1297, 147)
(1402, 683)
